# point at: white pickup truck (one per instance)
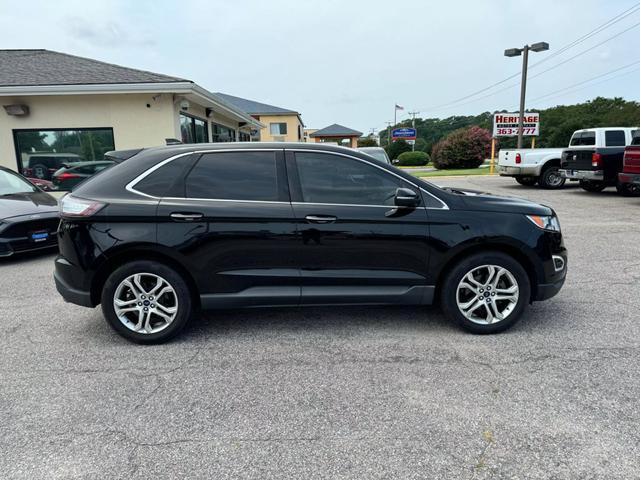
(532, 165)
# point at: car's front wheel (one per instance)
(486, 292)
(146, 301)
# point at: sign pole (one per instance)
(493, 155)
(533, 142)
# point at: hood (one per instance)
(477, 200)
(17, 204)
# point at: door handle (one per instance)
(320, 218)
(186, 217)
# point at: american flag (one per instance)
(398, 107)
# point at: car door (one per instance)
(356, 245)
(234, 225)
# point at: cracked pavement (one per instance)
(349, 393)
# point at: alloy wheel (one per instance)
(145, 303)
(487, 294)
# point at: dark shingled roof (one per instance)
(255, 108)
(336, 130)
(44, 67)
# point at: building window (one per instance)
(40, 153)
(244, 137)
(278, 128)
(193, 130)
(220, 133)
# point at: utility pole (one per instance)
(413, 125)
(388, 133)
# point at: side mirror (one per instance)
(395, 161)
(405, 197)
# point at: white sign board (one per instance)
(506, 124)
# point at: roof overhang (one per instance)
(187, 89)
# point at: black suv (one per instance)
(175, 229)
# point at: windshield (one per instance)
(11, 183)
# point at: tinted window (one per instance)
(234, 176)
(636, 138)
(583, 138)
(166, 181)
(614, 138)
(333, 179)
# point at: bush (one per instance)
(396, 148)
(413, 159)
(463, 148)
(367, 142)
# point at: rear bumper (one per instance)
(64, 276)
(633, 178)
(528, 170)
(590, 175)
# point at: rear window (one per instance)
(166, 181)
(583, 138)
(234, 176)
(614, 138)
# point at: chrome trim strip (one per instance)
(130, 186)
(388, 207)
(444, 205)
(225, 200)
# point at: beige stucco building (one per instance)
(61, 106)
(280, 124)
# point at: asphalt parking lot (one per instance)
(358, 393)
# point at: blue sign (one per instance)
(404, 133)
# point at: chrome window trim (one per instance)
(355, 205)
(444, 205)
(130, 186)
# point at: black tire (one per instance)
(41, 171)
(527, 181)
(185, 304)
(551, 178)
(449, 291)
(628, 189)
(593, 187)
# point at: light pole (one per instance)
(515, 52)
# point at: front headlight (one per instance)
(546, 222)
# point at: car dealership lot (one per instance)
(353, 392)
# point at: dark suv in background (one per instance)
(179, 228)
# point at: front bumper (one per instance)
(532, 171)
(590, 175)
(629, 178)
(547, 290)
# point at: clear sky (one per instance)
(349, 61)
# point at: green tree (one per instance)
(396, 148)
(367, 142)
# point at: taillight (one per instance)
(518, 158)
(71, 206)
(67, 176)
(596, 160)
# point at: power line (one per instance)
(621, 16)
(585, 51)
(633, 9)
(588, 80)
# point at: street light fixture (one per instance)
(516, 52)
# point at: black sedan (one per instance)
(28, 216)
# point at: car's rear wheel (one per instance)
(628, 189)
(486, 292)
(527, 181)
(551, 178)
(590, 186)
(146, 301)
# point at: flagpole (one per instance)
(395, 114)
